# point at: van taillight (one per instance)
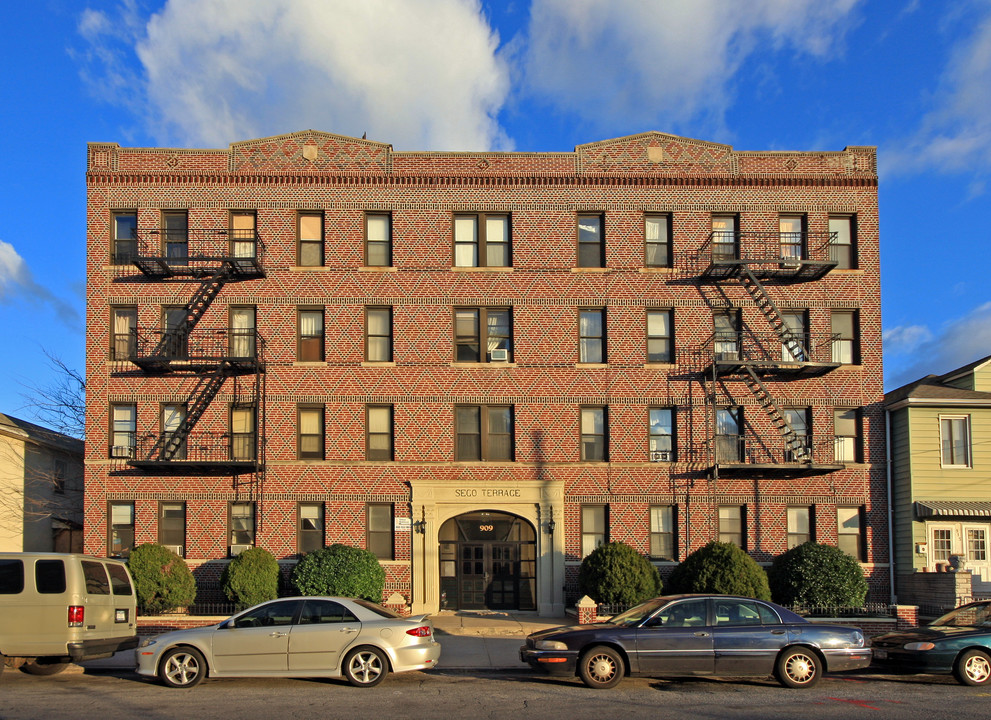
(76, 615)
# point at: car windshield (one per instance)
(636, 614)
(975, 615)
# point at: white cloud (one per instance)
(664, 62)
(915, 352)
(17, 283)
(420, 74)
(956, 135)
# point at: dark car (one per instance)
(681, 635)
(958, 642)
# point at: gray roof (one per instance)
(16, 427)
(934, 388)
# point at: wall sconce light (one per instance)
(550, 523)
(420, 526)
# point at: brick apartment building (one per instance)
(480, 366)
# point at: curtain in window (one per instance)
(242, 342)
(497, 328)
(466, 241)
(497, 241)
(244, 235)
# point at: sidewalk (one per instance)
(469, 640)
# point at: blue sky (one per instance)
(912, 77)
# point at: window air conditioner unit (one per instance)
(238, 549)
(660, 456)
(177, 549)
(500, 354)
(122, 451)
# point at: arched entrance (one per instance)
(488, 560)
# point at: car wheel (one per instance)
(798, 667)
(973, 668)
(182, 667)
(601, 668)
(38, 668)
(365, 667)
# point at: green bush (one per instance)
(251, 577)
(162, 579)
(340, 570)
(720, 568)
(615, 573)
(814, 574)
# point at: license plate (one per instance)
(880, 654)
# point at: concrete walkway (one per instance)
(470, 640)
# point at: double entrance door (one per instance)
(487, 561)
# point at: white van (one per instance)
(57, 608)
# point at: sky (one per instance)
(912, 77)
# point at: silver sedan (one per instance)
(295, 637)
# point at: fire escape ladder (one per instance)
(794, 445)
(207, 387)
(209, 289)
(770, 311)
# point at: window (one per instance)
(842, 249)
(310, 336)
(379, 524)
(309, 527)
(124, 343)
(378, 433)
(244, 238)
(378, 240)
(481, 240)
(662, 544)
(954, 435)
(799, 526)
(594, 527)
(241, 525)
(175, 330)
(845, 433)
(791, 230)
(796, 337)
(798, 421)
(123, 433)
(172, 526)
(125, 239)
(726, 335)
(731, 525)
(660, 348)
(592, 335)
(242, 332)
(595, 440)
(311, 428)
(977, 544)
(942, 543)
(174, 443)
(310, 232)
(844, 329)
(483, 432)
(657, 240)
(591, 244)
(243, 437)
(478, 328)
(378, 334)
(121, 529)
(725, 239)
(849, 531)
(175, 236)
(11, 577)
(661, 434)
(729, 436)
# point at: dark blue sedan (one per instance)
(958, 642)
(716, 635)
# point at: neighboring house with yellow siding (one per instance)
(939, 440)
(41, 488)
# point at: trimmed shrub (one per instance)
(162, 580)
(251, 577)
(813, 574)
(616, 574)
(340, 570)
(720, 568)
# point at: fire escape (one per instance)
(203, 360)
(737, 359)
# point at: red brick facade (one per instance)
(685, 182)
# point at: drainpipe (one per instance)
(891, 508)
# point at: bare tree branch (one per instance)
(60, 404)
